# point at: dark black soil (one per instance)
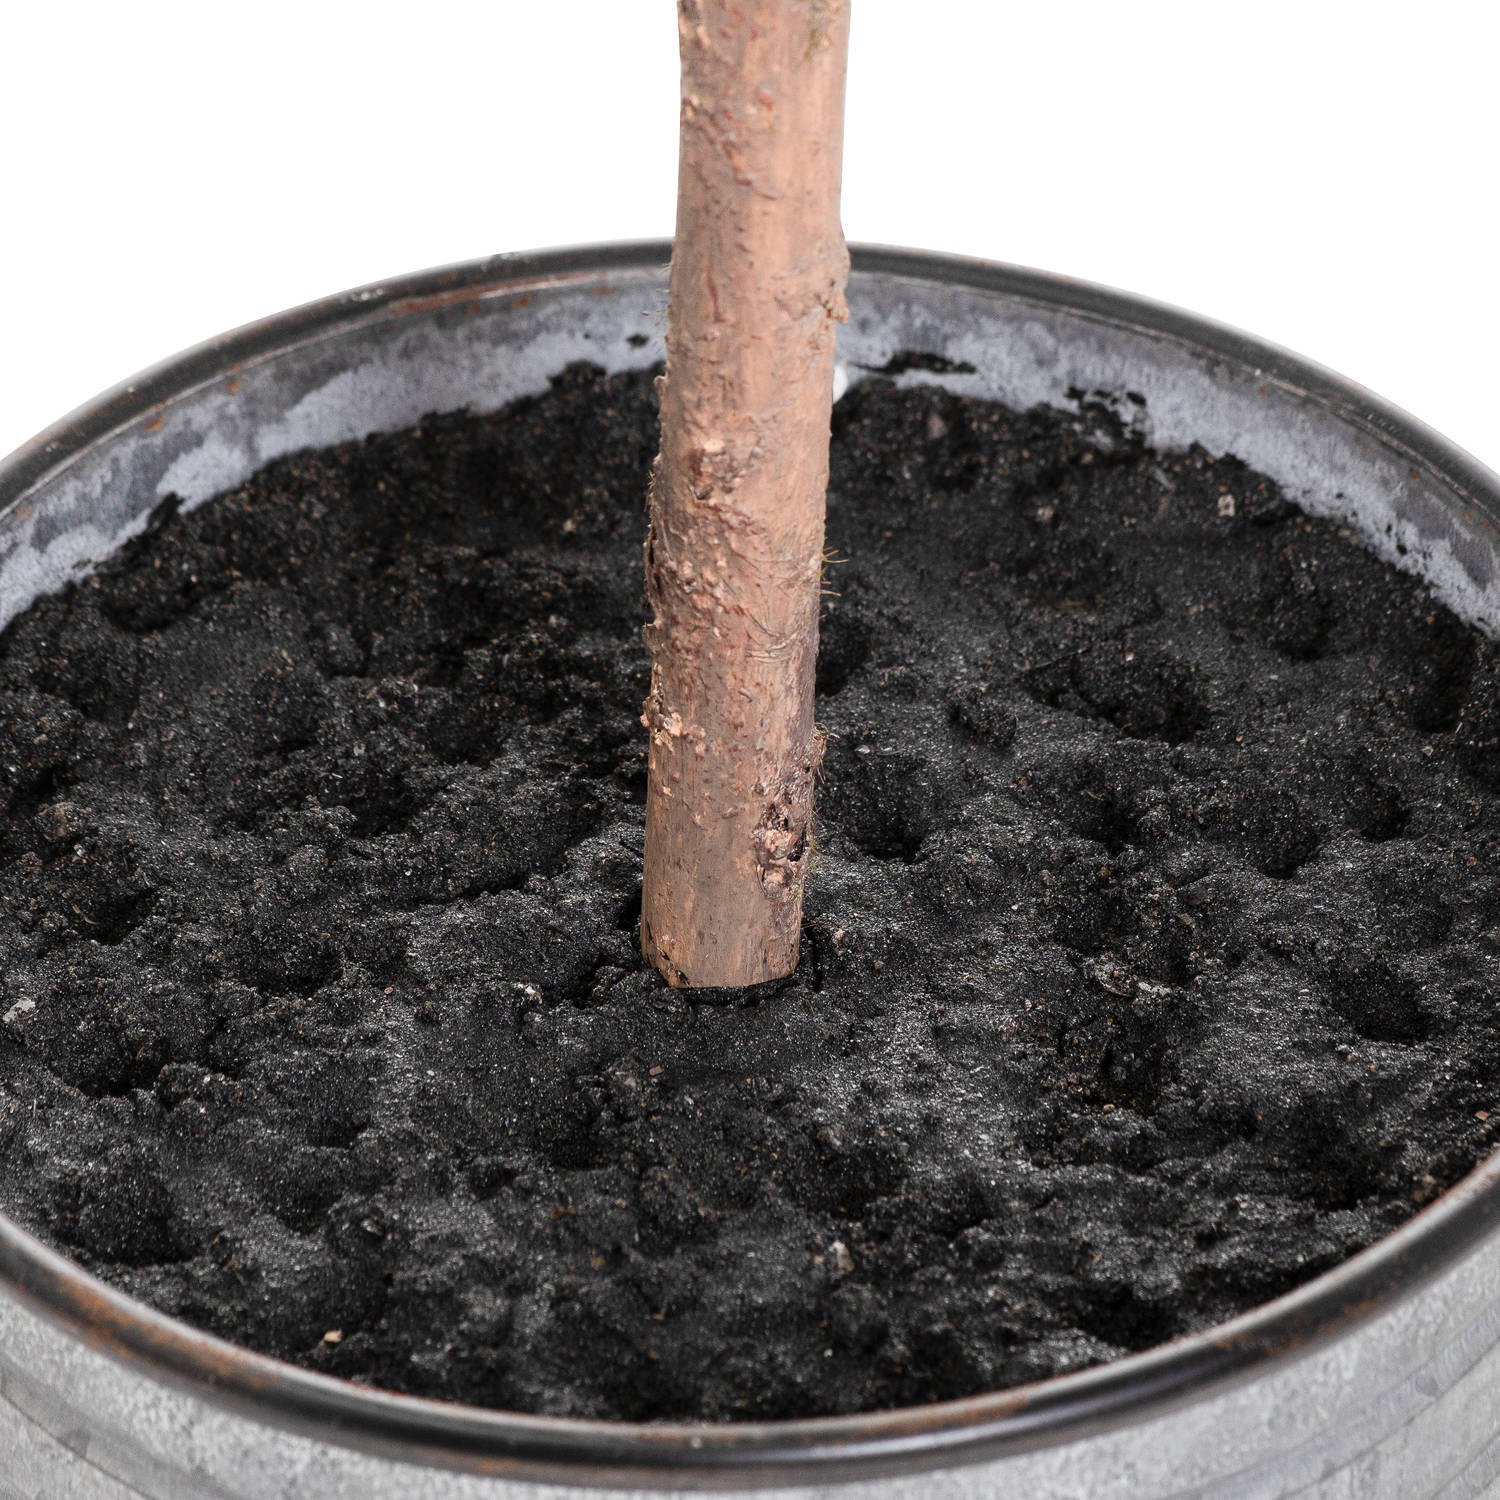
(1150, 963)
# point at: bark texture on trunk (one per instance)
(734, 554)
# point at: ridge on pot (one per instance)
(1268, 1403)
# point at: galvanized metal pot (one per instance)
(1381, 1378)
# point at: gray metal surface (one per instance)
(1381, 1378)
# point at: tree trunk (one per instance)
(735, 550)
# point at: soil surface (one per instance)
(1151, 958)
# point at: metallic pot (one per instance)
(1379, 1378)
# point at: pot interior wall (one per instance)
(380, 359)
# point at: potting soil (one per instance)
(1151, 962)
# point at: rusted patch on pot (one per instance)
(436, 301)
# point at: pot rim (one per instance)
(740, 1454)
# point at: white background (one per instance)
(1322, 174)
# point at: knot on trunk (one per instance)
(782, 839)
